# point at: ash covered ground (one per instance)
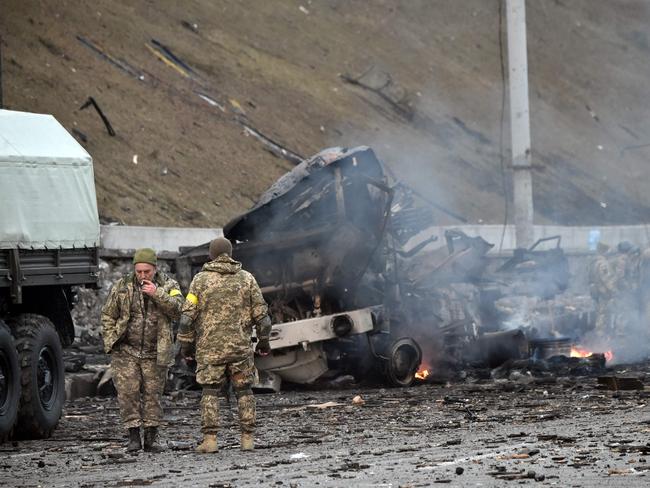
(542, 429)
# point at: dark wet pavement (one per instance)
(540, 431)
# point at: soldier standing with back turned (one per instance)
(137, 332)
(602, 286)
(223, 304)
(627, 302)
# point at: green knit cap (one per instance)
(145, 255)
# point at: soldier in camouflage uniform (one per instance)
(602, 286)
(137, 332)
(223, 303)
(644, 290)
(627, 299)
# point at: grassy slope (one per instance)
(281, 67)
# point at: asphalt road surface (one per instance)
(551, 431)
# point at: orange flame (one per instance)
(580, 352)
(422, 373)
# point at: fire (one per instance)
(580, 352)
(422, 373)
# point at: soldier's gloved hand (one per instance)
(187, 350)
(184, 324)
(263, 347)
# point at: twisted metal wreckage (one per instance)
(331, 245)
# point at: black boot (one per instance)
(151, 440)
(134, 440)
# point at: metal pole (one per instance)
(520, 121)
(1, 102)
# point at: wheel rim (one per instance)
(5, 380)
(404, 361)
(46, 377)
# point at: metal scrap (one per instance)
(274, 147)
(617, 383)
(119, 63)
(107, 124)
(166, 55)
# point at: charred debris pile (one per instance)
(357, 284)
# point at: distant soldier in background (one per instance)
(644, 290)
(223, 304)
(602, 286)
(137, 332)
(627, 305)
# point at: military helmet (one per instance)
(625, 247)
(219, 246)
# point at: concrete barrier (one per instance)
(170, 239)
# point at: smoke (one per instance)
(574, 313)
(433, 154)
(626, 313)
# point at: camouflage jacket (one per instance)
(626, 272)
(602, 278)
(223, 303)
(117, 315)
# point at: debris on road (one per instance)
(620, 383)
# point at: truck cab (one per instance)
(315, 242)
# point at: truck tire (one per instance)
(9, 382)
(42, 376)
(402, 363)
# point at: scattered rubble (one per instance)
(563, 433)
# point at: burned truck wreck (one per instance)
(343, 259)
(316, 243)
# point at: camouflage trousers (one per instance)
(604, 317)
(139, 384)
(627, 314)
(212, 379)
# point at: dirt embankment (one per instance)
(420, 81)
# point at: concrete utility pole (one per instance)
(520, 121)
(1, 104)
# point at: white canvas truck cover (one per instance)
(47, 185)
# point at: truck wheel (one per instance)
(9, 382)
(42, 376)
(403, 361)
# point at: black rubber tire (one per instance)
(9, 382)
(404, 358)
(42, 376)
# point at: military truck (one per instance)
(341, 252)
(316, 244)
(49, 238)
